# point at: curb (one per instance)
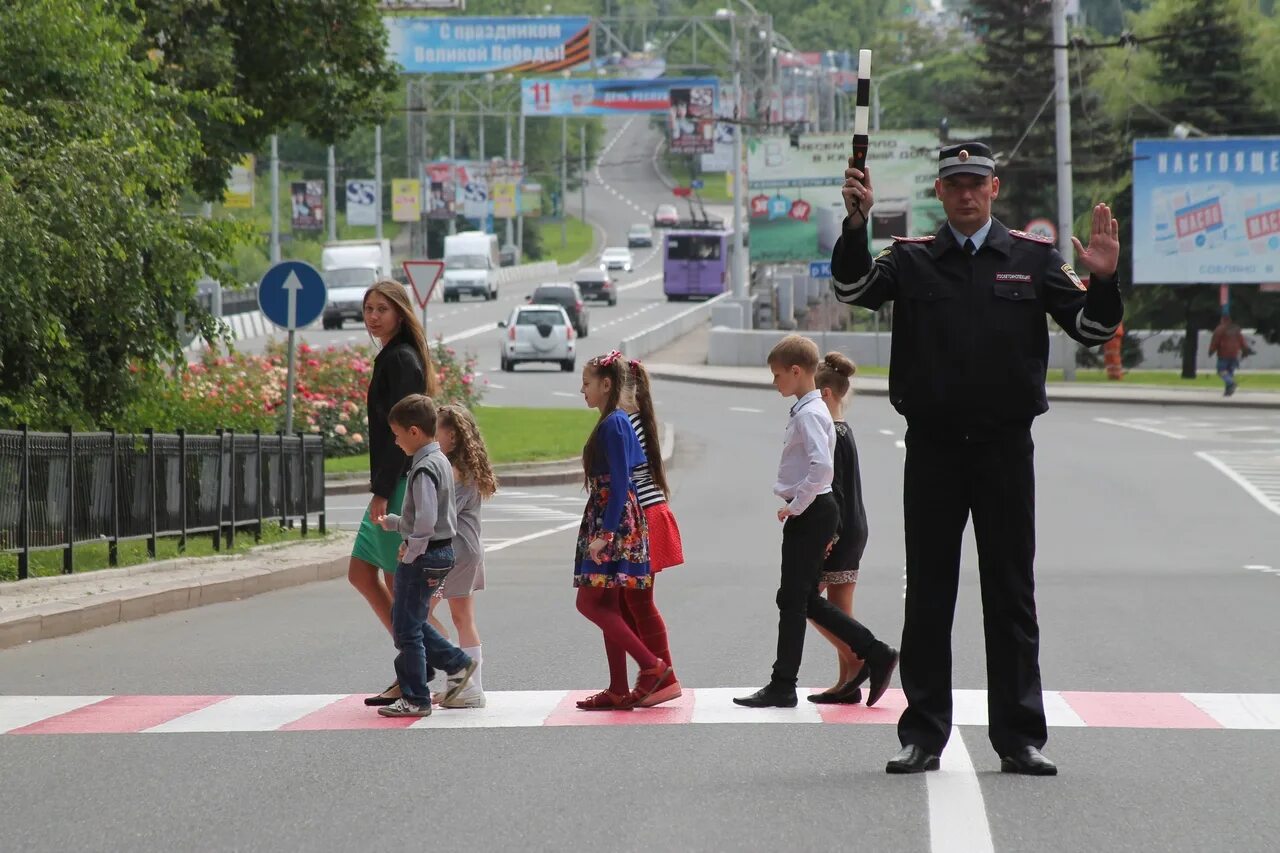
(60, 619)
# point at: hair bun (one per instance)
(840, 363)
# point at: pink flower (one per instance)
(344, 416)
(466, 380)
(311, 362)
(357, 438)
(340, 429)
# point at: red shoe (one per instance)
(649, 680)
(669, 690)
(606, 700)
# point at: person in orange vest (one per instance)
(1229, 345)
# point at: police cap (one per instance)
(972, 158)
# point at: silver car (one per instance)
(617, 258)
(537, 332)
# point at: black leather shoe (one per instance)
(881, 673)
(912, 759)
(769, 697)
(1029, 762)
(847, 694)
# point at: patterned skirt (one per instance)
(665, 547)
(626, 558)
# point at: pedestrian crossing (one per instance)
(54, 715)
(1249, 428)
(1255, 471)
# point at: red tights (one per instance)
(604, 608)
(641, 613)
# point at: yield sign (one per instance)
(423, 275)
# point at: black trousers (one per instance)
(946, 478)
(804, 545)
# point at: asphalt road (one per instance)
(1148, 581)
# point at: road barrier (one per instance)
(65, 489)
(659, 335)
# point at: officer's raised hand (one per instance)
(1103, 254)
(857, 192)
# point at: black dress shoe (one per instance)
(912, 759)
(769, 697)
(881, 673)
(1029, 762)
(846, 694)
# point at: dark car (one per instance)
(639, 235)
(594, 283)
(567, 295)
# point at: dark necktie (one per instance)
(969, 248)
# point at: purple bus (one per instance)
(695, 262)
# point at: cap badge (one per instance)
(963, 155)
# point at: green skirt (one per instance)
(375, 545)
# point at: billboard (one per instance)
(796, 209)
(239, 191)
(691, 120)
(607, 97)
(362, 202)
(1206, 211)
(475, 45)
(406, 200)
(308, 205)
(441, 190)
(720, 159)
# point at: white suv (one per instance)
(537, 333)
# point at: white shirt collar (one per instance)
(815, 394)
(979, 237)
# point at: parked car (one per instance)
(567, 295)
(666, 215)
(639, 235)
(594, 283)
(617, 258)
(537, 333)
(345, 299)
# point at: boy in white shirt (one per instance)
(810, 517)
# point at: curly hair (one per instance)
(469, 454)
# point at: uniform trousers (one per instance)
(949, 475)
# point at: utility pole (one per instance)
(510, 175)
(739, 185)
(333, 196)
(1062, 118)
(275, 199)
(582, 169)
(520, 195)
(564, 181)
(453, 161)
(377, 179)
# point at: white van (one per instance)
(357, 254)
(471, 265)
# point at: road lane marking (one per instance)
(1268, 501)
(886, 432)
(470, 333)
(747, 410)
(1140, 427)
(957, 814)
(520, 540)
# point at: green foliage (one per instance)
(98, 261)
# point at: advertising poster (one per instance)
(441, 190)
(691, 119)
(239, 192)
(308, 205)
(608, 96)
(438, 45)
(504, 200)
(406, 200)
(362, 202)
(472, 189)
(1206, 211)
(794, 196)
(721, 157)
(530, 199)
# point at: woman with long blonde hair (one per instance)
(402, 367)
(473, 483)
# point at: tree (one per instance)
(264, 65)
(94, 157)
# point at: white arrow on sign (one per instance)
(292, 286)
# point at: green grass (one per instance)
(511, 434)
(1252, 381)
(714, 184)
(91, 557)
(579, 239)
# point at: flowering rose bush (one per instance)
(246, 392)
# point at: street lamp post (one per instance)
(875, 89)
(739, 174)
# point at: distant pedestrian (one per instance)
(473, 483)
(844, 555)
(665, 547)
(401, 367)
(427, 522)
(810, 519)
(1229, 344)
(613, 541)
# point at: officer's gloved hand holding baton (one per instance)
(857, 193)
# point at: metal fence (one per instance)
(60, 490)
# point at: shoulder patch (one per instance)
(925, 239)
(1034, 238)
(887, 250)
(1075, 279)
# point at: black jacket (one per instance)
(397, 373)
(970, 340)
(846, 485)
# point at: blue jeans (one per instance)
(1227, 370)
(421, 647)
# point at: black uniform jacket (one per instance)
(970, 338)
(397, 373)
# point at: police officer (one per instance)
(969, 351)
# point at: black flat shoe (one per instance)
(881, 673)
(768, 697)
(1029, 762)
(848, 693)
(386, 697)
(912, 759)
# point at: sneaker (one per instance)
(459, 680)
(404, 708)
(1231, 389)
(470, 696)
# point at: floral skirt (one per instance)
(626, 558)
(665, 547)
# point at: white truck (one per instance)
(471, 265)
(348, 267)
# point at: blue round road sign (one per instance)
(292, 294)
